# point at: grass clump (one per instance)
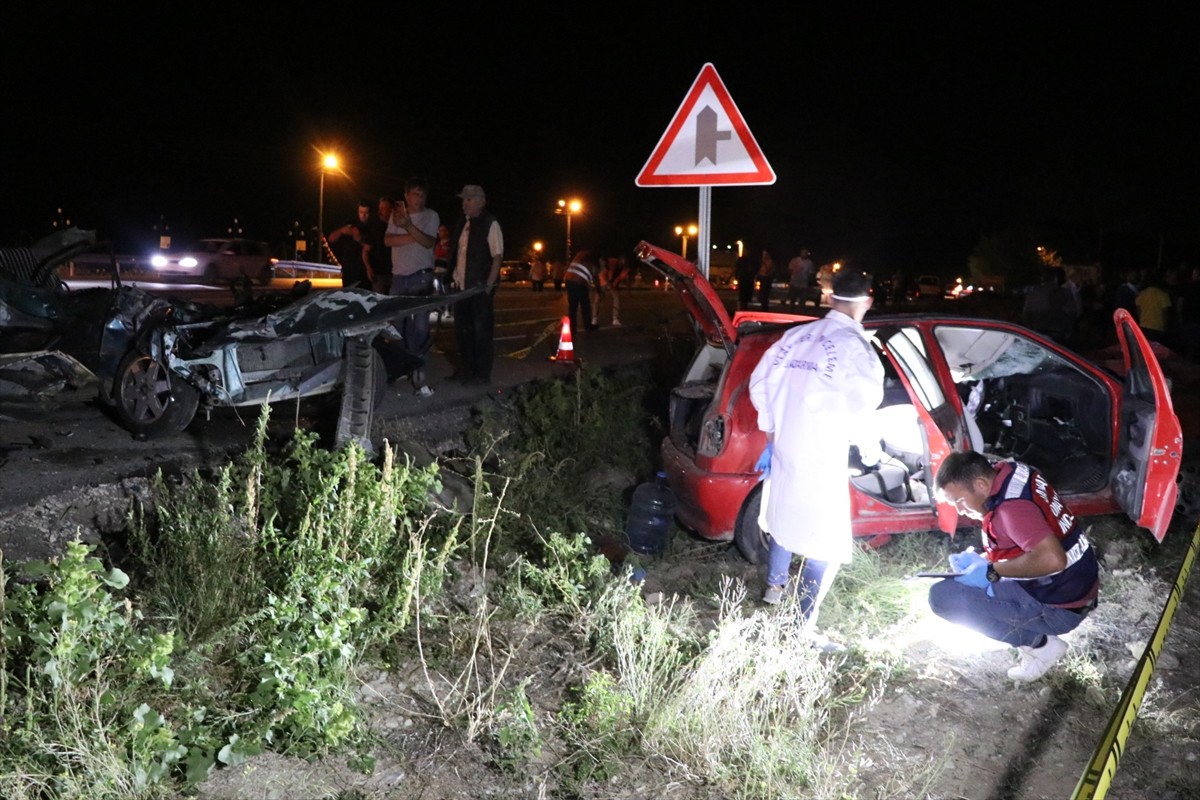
(257, 593)
(569, 449)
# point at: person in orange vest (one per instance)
(579, 280)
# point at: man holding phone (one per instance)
(411, 234)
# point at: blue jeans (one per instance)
(415, 327)
(1012, 616)
(812, 584)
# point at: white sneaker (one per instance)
(1034, 662)
(616, 323)
(424, 391)
(773, 595)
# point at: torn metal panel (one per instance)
(41, 374)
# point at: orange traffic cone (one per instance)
(566, 349)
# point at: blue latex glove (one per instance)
(763, 464)
(961, 562)
(976, 575)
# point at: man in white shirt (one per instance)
(411, 235)
(477, 250)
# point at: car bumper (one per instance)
(705, 502)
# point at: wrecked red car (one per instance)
(158, 361)
(1109, 444)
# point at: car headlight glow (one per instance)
(187, 261)
(158, 262)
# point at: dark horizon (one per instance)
(899, 138)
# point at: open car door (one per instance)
(1150, 439)
(931, 406)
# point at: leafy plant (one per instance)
(516, 732)
(76, 662)
(600, 727)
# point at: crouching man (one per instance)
(1037, 577)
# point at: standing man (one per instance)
(617, 283)
(746, 273)
(476, 252)
(766, 276)
(347, 242)
(813, 390)
(800, 274)
(411, 236)
(537, 273)
(579, 280)
(379, 260)
(1037, 577)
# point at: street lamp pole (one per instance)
(328, 161)
(568, 208)
(684, 233)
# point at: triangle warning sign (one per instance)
(707, 143)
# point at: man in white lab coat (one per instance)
(814, 390)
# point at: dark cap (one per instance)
(851, 285)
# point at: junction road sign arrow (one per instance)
(707, 143)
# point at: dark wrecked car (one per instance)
(158, 361)
(1109, 442)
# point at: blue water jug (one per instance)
(651, 517)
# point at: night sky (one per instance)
(899, 137)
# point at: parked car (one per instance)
(929, 286)
(158, 360)
(1108, 444)
(213, 260)
(513, 271)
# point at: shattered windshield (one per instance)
(978, 353)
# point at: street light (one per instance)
(569, 208)
(329, 161)
(683, 232)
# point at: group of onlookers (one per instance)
(1165, 304)
(398, 251)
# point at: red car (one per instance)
(1108, 444)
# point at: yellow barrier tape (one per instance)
(553, 327)
(1096, 779)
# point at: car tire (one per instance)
(752, 541)
(265, 275)
(149, 401)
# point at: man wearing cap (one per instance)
(814, 389)
(476, 252)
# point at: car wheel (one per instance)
(752, 541)
(150, 401)
(266, 275)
